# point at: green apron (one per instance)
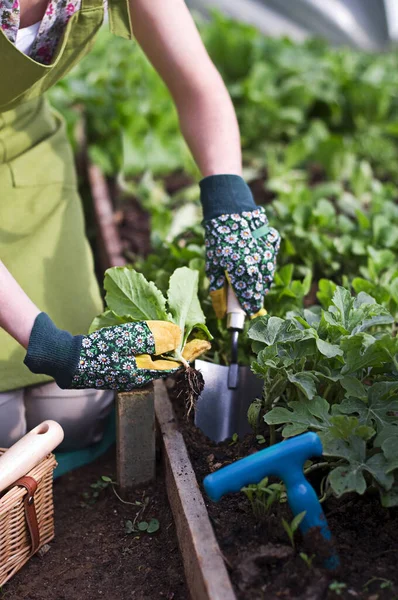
(42, 237)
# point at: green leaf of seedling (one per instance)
(107, 319)
(130, 294)
(153, 526)
(143, 526)
(129, 527)
(184, 303)
(295, 524)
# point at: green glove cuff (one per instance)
(52, 351)
(225, 195)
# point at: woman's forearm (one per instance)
(167, 34)
(210, 128)
(17, 311)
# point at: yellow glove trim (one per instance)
(261, 313)
(144, 361)
(192, 350)
(219, 301)
(195, 348)
(167, 336)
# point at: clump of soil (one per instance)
(258, 554)
(93, 557)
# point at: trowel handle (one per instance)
(29, 451)
(235, 314)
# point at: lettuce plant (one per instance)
(130, 297)
(335, 371)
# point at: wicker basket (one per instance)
(17, 540)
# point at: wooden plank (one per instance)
(205, 571)
(135, 438)
(109, 244)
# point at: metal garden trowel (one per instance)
(221, 409)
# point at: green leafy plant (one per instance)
(292, 527)
(263, 495)
(335, 372)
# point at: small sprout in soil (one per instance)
(101, 484)
(385, 584)
(307, 559)
(234, 439)
(189, 385)
(292, 527)
(260, 439)
(142, 526)
(263, 495)
(337, 587)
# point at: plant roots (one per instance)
(189, 385)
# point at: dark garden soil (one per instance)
(262, 563)
(93, 557)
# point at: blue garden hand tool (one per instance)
(284, 460)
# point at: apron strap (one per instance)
(89, 4)
(119, 18)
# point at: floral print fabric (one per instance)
(52, 26)
(107, 358)
(233, 249)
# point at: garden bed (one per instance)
(257, 553)
(261, 562)
(93, 556)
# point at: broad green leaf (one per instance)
(129, 294)
(325, 292)
(305, 382)
(380, 411)
(107, 319)
(301, 416)
(343, 426)
(183, 300)
(363, 350)
(343, 302)
(354, 387)
(327, 349)
(350, 478)
(347, 479)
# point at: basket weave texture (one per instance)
(15, 540)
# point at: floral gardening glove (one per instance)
(241, 247)
(118, 358)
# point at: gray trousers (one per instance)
(81, 413)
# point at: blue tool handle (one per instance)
(282, 460)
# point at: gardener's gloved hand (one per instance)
(240, 246)
(117, 358)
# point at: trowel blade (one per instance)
(220, 412)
